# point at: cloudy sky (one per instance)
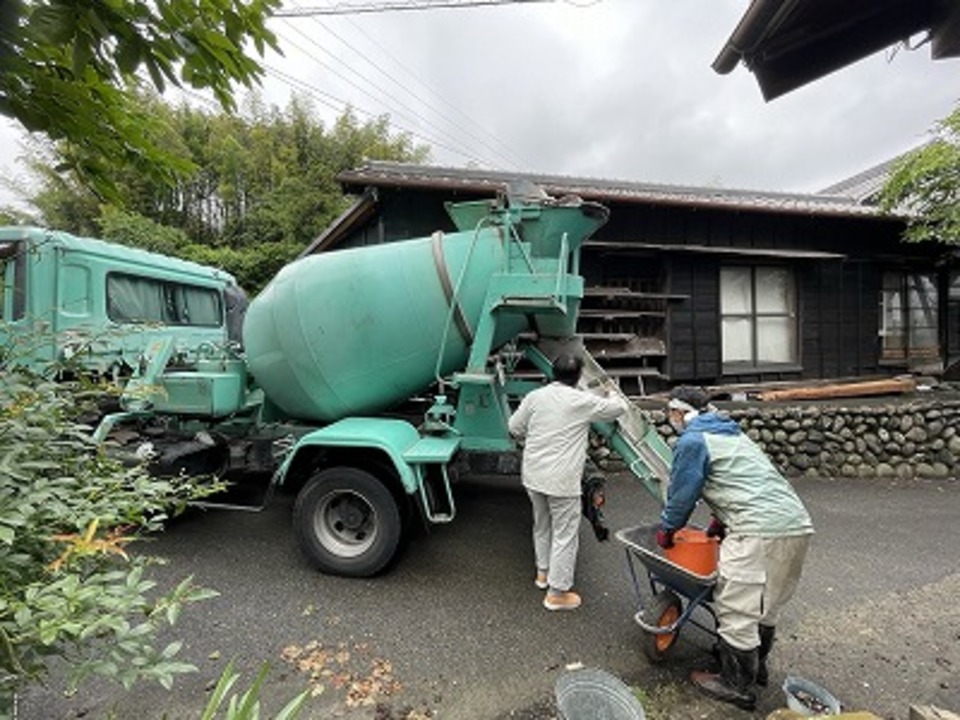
(619, 89)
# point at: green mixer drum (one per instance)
(356, 331)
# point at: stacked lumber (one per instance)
(893, 386)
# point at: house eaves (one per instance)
(380, 174)
(731, 251)
(789, 43)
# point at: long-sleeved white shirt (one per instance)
(555, 420)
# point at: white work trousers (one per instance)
(756, 577)
(556, 537)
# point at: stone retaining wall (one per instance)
(905, 439)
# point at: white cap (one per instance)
(675, 404)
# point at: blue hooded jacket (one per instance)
(715, 460)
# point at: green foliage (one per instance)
(247, 705)
(252, 267)
(10, 216)
(135, 230)
(263, 186)
(68, 69)
(69, 586)
(61, 201)
(926, 185)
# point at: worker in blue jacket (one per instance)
(764, 527)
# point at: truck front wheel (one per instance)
(347, 522)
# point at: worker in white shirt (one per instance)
(554, 422)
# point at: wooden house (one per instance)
(712, 285)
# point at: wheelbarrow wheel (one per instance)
(664, 610)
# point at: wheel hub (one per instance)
(351, 514)
(346, 523)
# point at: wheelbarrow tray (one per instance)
(641, 541)
(641, 547)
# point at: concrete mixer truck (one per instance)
(340, 346)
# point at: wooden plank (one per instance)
(613, 314)
(624, 292)
(632, 372)
(847, 390)
(614, 337)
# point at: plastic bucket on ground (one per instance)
(809, 699)
(592, 694)
(694, 551)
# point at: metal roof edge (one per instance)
(378, 173)
(749, 31)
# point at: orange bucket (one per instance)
(694, 551)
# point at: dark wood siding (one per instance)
(402, 216)
(821, 318)
(694, 323)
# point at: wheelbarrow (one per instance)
(675, 592)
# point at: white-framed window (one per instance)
(909, 325)
(758, 316)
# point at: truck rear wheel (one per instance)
(347, 522)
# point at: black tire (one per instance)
(347, 522)
(663, 610)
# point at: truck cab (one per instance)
(70, 304)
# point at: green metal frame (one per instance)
(408, 450)
(536, 284)
(392, 437)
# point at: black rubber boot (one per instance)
(734, 683)
(714, 665)
(767, 633)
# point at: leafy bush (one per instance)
(69, 585)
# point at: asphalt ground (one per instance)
(456, 628)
